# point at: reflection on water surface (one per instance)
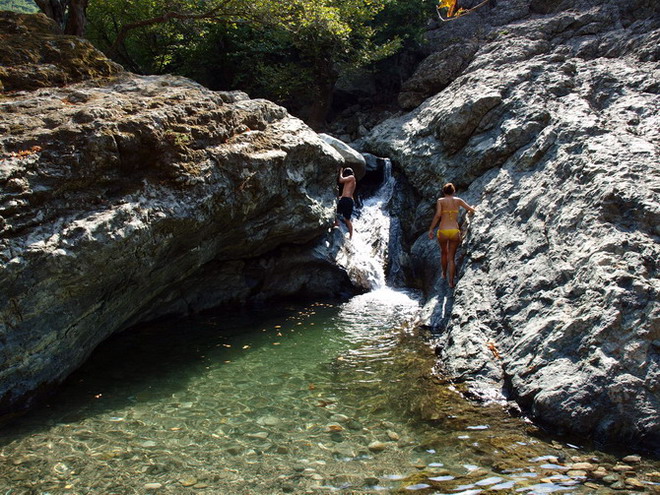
(320, 398)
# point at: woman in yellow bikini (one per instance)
(449, 234)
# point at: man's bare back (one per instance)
(346, 201)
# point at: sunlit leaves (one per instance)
(451, 10)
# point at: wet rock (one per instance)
(344, 452)
(371, 481)
(153, 486)
(583, 466)
(599, 473)
(354, 425)
(632, 459)
(188, 482)
(377, 446)
(622, 468)
(392, 435)
(268, 421)
(261, 435)
(634, 483)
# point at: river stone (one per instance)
(635, 483)
(377, 446)
(553, 134)
(622, 468)
(583, 466)
(599, 473)
(134, 197)
(393, 435)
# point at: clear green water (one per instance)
(322, 398)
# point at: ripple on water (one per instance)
(212, 405)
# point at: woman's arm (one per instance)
(436, 218)
(466, 206)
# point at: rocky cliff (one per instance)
(124, 198)
(545, 115)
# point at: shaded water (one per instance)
(320, 398)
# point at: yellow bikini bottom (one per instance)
(449, 234)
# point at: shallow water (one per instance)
(321, 398)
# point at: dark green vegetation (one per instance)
(289, 51)
(25, 6)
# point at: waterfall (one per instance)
(365, 256)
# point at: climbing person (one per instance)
(449, 233)
(346, 201)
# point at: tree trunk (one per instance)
(70, 15)
(55, 9)
(77, 18)
(326, 77)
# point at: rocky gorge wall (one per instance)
(545, 115)
(125, 198)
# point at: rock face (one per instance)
(552, 130)
(35, 54)
(127, 198)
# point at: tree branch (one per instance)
(167, 16)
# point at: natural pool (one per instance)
(320, 398)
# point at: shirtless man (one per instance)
(346, 201)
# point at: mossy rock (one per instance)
(35, 54)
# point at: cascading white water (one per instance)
(364, 257)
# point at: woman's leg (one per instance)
(443, 253)
(452, 246)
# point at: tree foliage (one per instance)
(24, 6)
(286, 50)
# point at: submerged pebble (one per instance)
(377, 446)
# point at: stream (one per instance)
(322, 397)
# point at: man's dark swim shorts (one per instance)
(345, 207)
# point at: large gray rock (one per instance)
(128, 198)
(351, 157)
(553, 132)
